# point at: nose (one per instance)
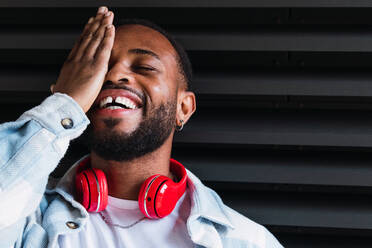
(119, 74)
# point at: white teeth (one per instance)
(114, 107)
(104, 101)
(122, 100)
(126, 102)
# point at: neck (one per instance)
(124, 179)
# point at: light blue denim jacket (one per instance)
(34, 215)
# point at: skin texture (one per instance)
(102, 55)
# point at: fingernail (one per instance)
(108, 13)
(101, 9)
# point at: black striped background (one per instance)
(283, 129)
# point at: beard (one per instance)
(151, 133)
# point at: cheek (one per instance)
(158, 89)
(162, 90)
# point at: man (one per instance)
(134, 82)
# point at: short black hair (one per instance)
(183, 60)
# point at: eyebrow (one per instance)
(144, 52)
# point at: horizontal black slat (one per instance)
(303, 209)
(223, 61)
(314, 83)
(335, 60)
(276, 40)
(249, 40)
(307, 128)
(167, 17)
(27, 80)
(284, 167)
(201, 60)
(192, 3)
(333, 16)
(170, 17)
(260, 82)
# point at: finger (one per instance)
(78, 41)
(87, 27)
(90, 32)
(104, 50)
(99, 35)
(101, 10)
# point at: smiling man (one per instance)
(132, 85)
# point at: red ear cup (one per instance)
(159, 194)
(156, 199)
(91, 189)
(82, 190)
(166, 198)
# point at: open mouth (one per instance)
(112, 101)
(118, 102)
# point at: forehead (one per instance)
(134, 36)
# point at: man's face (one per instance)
(143, 72)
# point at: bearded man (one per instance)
(131, 84)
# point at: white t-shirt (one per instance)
(169, 231)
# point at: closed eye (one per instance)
(145, 68)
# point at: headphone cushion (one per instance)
(82, 189)
(92, 190)
(157, 197)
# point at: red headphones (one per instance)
(157, 198)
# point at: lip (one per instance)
(115, 93)
(114, 112)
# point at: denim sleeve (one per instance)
(271, 241)
(30, 149)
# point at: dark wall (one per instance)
(283, 129)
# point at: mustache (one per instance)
(110, 85)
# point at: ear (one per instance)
(186, 106)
